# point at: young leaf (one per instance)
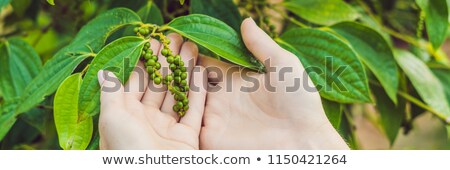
(224, 10)
(90, 39)
(19, 64)
(216, 36)
(322, 12)
(391, 115)
(374, 51)
(436, 20)
(119, 57)
(426, 84)
(72, 134)
(333, 110)
(51, 2)
(332, 64)
(150, 13)
(182, 2)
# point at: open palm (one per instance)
(139, 115)
(274, 115)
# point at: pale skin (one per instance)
(217, 118)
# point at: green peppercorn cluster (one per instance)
(176, 81)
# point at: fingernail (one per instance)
(101, 77)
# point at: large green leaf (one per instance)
(444, 76)
(333, 110)
(426, 84)
(6, 122)
(89, 40)
(324, 56)
(374, 51)
(19, 64)
(150, 13)
(119, 57)
(224, 10)
(391, 114)
(93, 35)
(216, 36)
(436, 20)
(72, 134)
(322, 12)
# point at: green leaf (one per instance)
(217, 37)
(94, 34)
(150, 13)
(332, 64)
(322, 12)
(426, 84)
(19, 64)
(6, 122)
(391, 115)
(182, 2)
(374, 51)
(448, 9)
(436, 20)
(224, 10)
(51, 2)
(73, 135)
(444, 77)
(89, 40)
(333, 110)
(119, 57)
(20, 6)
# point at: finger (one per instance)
(112, 92)
(261, 45)
(152, 97)
(188, 53)
(137, 83)
(197, 99)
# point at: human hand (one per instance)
(264, 118)
(139, 115)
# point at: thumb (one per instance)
(112, 93)
(259, 43)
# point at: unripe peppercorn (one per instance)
(177, 79)
(180, 104)
(170, 59)
(148, 56)
(175, 108)
(158, 66)
(185, 102)
(151, 62)
(183, 69)
(183, 82)
(150, 70)
(183, 76)
(177, 72)
(142, 31)
(169, 78)
(164, 52)
(157, 80)
(172, 67)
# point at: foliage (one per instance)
(388, 55)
